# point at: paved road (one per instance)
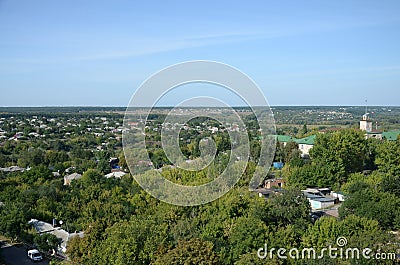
(17, 255)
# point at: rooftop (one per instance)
(117, 175)
(73, 176)
(306, 140)
(391, 135)
(43, 227)
(287, 138)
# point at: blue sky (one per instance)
(96, 53)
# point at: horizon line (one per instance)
(171, 106)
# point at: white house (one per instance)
(318, 201)
(44, 228)
(339, 195)
(305, 145)
(116, 174)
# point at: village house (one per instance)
(320, 198)
(305, 145)
(274, 183)
(12, 169)
(318, 201)
(115, 174)
(44, 228)
(266, 193)
(69, 178)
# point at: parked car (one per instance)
(35, 255)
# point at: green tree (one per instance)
(92, 176)
(252, 258)
(373, 204)
(103, 166)
(359, 232)
(311, 175)
(31, 157)
(391, 184)
(279, 152)
(289, 208)
(342, 152)
(359, 181)
(54, 157)
(324, 232)
(192, 252)
(388, 157)
(247, 235)
(304, 129)
(13, 219)
(82, 250)
(3, 160)
(131, 242)
(122, 160)
(158, 158)
(39, 173)
(46, 242)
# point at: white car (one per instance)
(34, 255)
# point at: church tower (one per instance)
(366, 123)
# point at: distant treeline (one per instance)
(42, 110)
(75, 109)
(384, 117)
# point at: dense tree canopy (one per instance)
(334, 156)
(192, 252)
(123, 224)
